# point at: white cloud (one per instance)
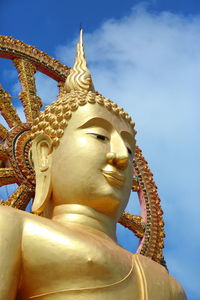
(150, 64)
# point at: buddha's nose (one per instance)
(118, 154)
(119, 161)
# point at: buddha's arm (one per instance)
(10, 252)
(177, 291)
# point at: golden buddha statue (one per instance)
(82, 150)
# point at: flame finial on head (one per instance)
(79, 77)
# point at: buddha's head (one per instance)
(83, 147)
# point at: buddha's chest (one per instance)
(56, 259)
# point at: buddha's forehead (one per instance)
(97, 112)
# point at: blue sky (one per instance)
(145, 56)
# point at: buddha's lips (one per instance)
(114, 177)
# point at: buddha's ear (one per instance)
(42, 159)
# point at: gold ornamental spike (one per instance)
(79, 78)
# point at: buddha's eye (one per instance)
(99, 136)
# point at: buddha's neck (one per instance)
(85, 215)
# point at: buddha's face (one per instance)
(92, 165)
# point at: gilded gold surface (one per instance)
(78, 240)
(82, 152)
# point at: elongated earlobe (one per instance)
(42, 158)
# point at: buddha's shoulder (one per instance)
(10, 214)
(7, 212)
(154, 272)
(148, 264)
(28, 223)
(176, 289)
(11, 220)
